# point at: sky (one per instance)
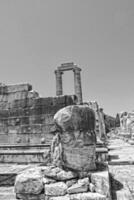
(37, 36)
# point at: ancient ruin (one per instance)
(61, 148)
(77, 79)
(72, 173)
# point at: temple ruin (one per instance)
(57, 148)
(77, 79)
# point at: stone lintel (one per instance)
(68, 67)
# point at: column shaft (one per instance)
(77, 85)
(59, 89)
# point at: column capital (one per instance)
(76, 69)
(58, 72)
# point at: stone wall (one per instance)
(26, 118)
(53, 183)
(100, 123)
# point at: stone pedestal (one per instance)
(75, 144)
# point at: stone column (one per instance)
(59, 89)
(77, 85)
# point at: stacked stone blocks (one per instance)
(26, 118)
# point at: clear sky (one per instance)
(36, 36)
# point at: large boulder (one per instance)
(74, 144)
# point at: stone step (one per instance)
(7, 193)
(8, 173)
(23, 156)
(23, 146)
(35, 153)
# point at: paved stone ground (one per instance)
(121, 167)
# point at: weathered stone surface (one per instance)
(80, 186)
(91, 187)
(30, 196)
(15, 88)
(124, 195)
(56, 189)
(66, 197)
(29, 181)
(48, 180)
(87, 196)
(77, 124)
(71, 182)
(75, 118)
(101, 182)
(7, 193)
(59, 174)
(100, 124)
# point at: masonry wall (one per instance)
(26, 118)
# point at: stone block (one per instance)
(13, 130)
(66, 197)
(101, 182)
(75, 118)
(29, 182)
(30, 196)
(18, 103)
(3, 129)
(16, 112)
(48, 118)
(35, 129)
(91, 187)
(36, 119)
(18, 88)
(3, 89)
(59, 174)
(79, 187)
(87, 196)
(4, 98)
(56, 189)
(33, 94)
(77, 141)
(17, 95)
(80, 158)
(4, 105)
(71, 182)
(4, 113)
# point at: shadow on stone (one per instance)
(115, 186)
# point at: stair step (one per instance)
(7, 193)
(23, 156)
(25, 146)
(8, 173)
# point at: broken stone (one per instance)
(81, 186)
(91, 187)
(29, 182)
(59, 174)
(71, 182)
(56, 189)
(101, 182)
(77, 125)
(75, 118)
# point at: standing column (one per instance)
(59, 90)
(77, 85)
